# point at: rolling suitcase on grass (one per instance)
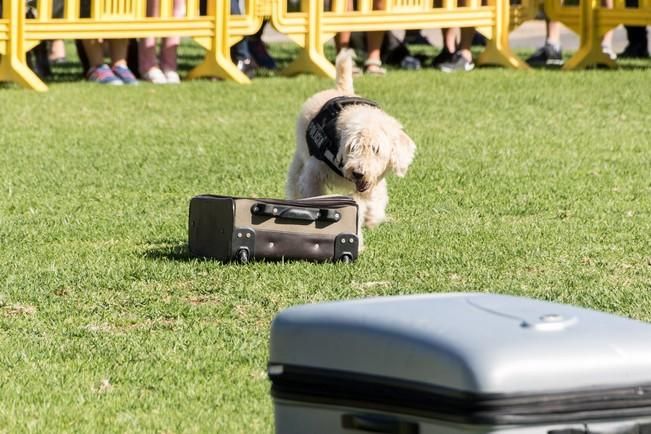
(242, 229)
(458, 364)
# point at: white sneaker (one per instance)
(608, 51)
(155, 75)
(172, 77)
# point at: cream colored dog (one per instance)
(370, 144)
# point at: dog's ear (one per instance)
(403, 153)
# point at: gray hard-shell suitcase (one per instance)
(458, 363)
(241, 229)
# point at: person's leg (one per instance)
(118, 51)
(550, 53)
(342, 39)
(467, 34)
(170, 44)
(147, 48)
(94, 52)
(373, 64)
(98, 71)
(553, 29)
(450, 39)
(259, 51)
(374, 42)
(637, 46)
(449, 36)
(607, 41)
(462, 58)
(57, 51)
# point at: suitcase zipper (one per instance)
(331, 387)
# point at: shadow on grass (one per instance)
(169, 250)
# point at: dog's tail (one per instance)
(344, 64)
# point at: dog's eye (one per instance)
(376, 150)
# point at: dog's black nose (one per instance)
(358, 175)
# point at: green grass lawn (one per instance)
(528, 183)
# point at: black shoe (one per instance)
(546, 55)
(635, 52)
(260, 54)
(458, 63)
(247, 66)
(478, 40)
(443, 57)
(415, 38)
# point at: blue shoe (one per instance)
(102, 74)
(125, 74)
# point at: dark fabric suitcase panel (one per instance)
(211, 228)
(314, 229)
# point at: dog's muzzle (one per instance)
(362, 185)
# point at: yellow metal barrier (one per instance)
(592, 21)
(313, 26)
(216, 31)
(13, 65)
(4, 34)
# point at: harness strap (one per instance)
(322, 136)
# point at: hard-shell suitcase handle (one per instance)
(294, 213)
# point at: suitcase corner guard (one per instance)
(243, 245)
(346, 247)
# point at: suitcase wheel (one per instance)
(346, 258)
(242, 256)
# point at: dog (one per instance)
(347, 145)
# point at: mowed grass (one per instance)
(527, 183)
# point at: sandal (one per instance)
(374, 67)
(357, 71)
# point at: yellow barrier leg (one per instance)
(494, 54)
(11, 69)
(217, 62)
(498, 51)
(13, 66)
(590, 52)
(311, 58)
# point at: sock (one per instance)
(555, 45)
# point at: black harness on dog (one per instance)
(322, 135)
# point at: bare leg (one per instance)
(342, 40)
(94, 52)
(467, 33)
(118, 49)
(553, 29)
(57, 50)
(147, 46)
(607, 42)
(374, 41)
(450, 39)
(170, 44)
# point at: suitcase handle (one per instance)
(378, 424)
(293, 213)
